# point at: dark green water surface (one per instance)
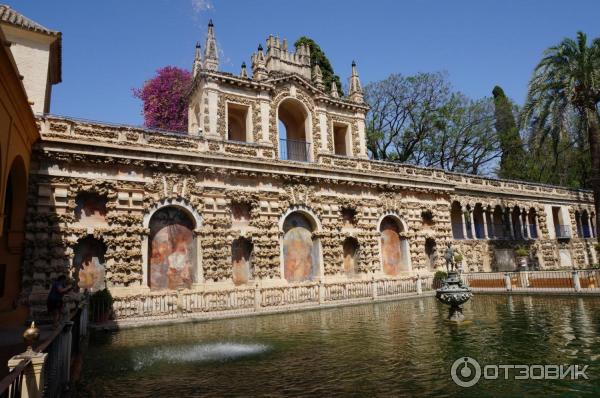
(402, 348)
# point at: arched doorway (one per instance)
(13, 236)
(350, 253)
(394, 248)
(300, 250)
(293, 130)
(89, 263)
(172, 250)
(241, 261)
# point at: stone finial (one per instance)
(285, 45)
(243, 72)
(259, 68)
(355, 93)
(334, 90)
(318, 77)
(197, 60)
(211, 54)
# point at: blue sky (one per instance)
(111, 46)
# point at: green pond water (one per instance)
(401, 348)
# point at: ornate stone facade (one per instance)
(231, 189)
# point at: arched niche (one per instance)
(431, 253)
(394, 248)
(294, 130)
(241, 261)
(350, 249)
(172, 249)
(89, 263)
(300, 250)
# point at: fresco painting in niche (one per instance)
(350, 256)
(241, 252)
(90, 208)
(89, 260)
(299, 250)
(390, 246)
(172, 249)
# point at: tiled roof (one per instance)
(13, 17)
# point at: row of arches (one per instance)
(486, 222)
(585, 224)
(173, 256)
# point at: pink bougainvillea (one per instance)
(164, 99)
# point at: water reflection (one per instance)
(384, 349)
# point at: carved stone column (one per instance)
(484, 214)
(463, 212)
(472, 219)
(510, 223)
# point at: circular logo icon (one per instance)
(465, 372)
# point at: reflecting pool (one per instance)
(384, 349)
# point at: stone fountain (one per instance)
(453, 291)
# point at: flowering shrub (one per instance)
(164, 99)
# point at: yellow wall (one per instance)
(18, 132)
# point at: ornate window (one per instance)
(90, 208)
(89, 263)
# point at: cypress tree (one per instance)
(317, 56)
(512, 162)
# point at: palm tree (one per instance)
(566, 82)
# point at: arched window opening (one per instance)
(90, 208)
(350, 250)
(341, 139)
(238, 121)
(300, 250)
(498, 223)
(532, 224)
(456, 217)
(293, 137)
(172, 249)
(586, 225)
(241, 259)
(394, 248)
(516, 222)
(478, 221)
(430, 253)
(89, 263)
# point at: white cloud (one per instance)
(202, 5)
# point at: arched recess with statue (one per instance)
(300, 247)
(172, 253)
(394, 246)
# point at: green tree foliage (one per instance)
(511, 144)
(421, 120)
(562, 103)
(318, 57)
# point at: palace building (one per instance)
(271, 186)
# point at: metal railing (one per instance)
(165, 305)
(294, 150)
(536, 281)
(562, 231)
(45, 371)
